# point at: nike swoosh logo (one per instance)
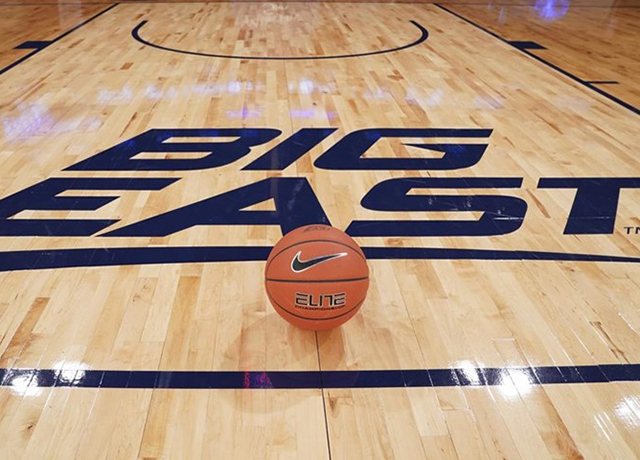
(299, 266)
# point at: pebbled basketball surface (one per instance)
(316, 241)
(316, 277)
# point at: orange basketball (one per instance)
(317, 277)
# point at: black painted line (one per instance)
(22, 379)
(549, 64)
(85, 22)
(520, 5)
(60, 3)
(528, 5)
(143, 2)
(526, 45)
(135, 33)
(603, 82)
(19, 61)
(118, 256)
(33, 44)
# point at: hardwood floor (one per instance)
(595, 44)
(503, 315)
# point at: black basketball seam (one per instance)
(347, 280)
(276, 304)
(357, 251)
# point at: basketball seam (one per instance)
(357, 251)
(347, 280)
(276, 304)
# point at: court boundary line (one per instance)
(135, 33)
(370, 3)
(57, 4)
(42, 259)
(58, 38)
(321, 379)
(566, 73)
(134, 2)
(520, 5)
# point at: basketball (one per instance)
(317, 277)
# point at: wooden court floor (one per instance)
(484, 155)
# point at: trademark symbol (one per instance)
(632, 230)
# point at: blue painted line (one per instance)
(55, 4)
(611, 97)
(104, 257)
(414, 378)
(33, 44)
(526, 45)
(424, 34)
(50, 42)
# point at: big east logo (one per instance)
(593, 210)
